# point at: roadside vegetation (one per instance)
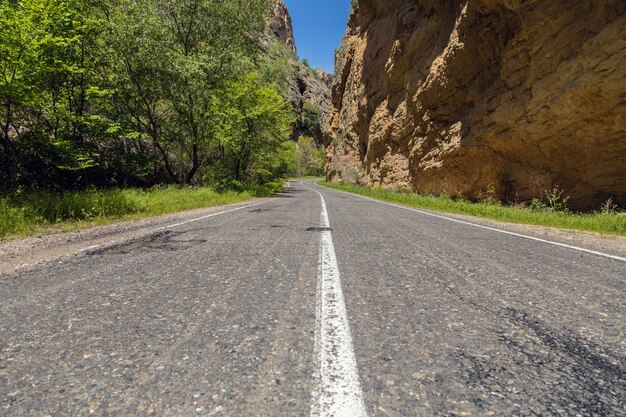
(140, 107)
(137, 93)
(42, 212)
(552, 213)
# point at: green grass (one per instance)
(605, 223)
(41, 212)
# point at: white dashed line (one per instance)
(338, 391)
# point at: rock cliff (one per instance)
(477, 98)
(307, 85)
(281, 26)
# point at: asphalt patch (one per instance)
(260, 210)
(162, 241)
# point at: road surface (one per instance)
(317, 302)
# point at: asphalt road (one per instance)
(317, 303)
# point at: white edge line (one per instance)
(89, 248)
(493, 229)
(186, 222)
(210, 215)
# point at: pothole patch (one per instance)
(260, 210)
(162, 241)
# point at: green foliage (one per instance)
(601, 222)
(311, 116)
(557, 202)
(131, 92)
(310, 158)
(22, 212)
(252, 121)
(276, 67)
(174, 59)
(137, 93)
(609, 206)
(283, 165)
(49, 59)
(536, 205)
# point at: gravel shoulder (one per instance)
(19, 254)
(588, 240)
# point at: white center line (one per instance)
(338, 391)
(493, 229)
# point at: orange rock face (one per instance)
(280, 24)
(477, 98)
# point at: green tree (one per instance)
(311, 114)
(310, 158)
(20, 34)
(138, 73)
(175, 56)
(276, 67)
(140, 91)
(69, 52)
(212, 42)
(48, 54)
(254, 121)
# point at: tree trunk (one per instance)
(9, 154)
(238, 169)
(195, 165)
(8, 162)
(166, 160)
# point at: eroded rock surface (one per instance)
(307, 84)
(281, 25)
(505, 98)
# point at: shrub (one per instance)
(556, 201)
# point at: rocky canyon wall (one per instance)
(307, 84)
(479, 98)
(281, 26)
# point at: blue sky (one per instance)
(318, 27)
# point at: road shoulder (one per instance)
(590, 240)
(28, 252)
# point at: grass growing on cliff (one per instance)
(602, 222)
(24, 214)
